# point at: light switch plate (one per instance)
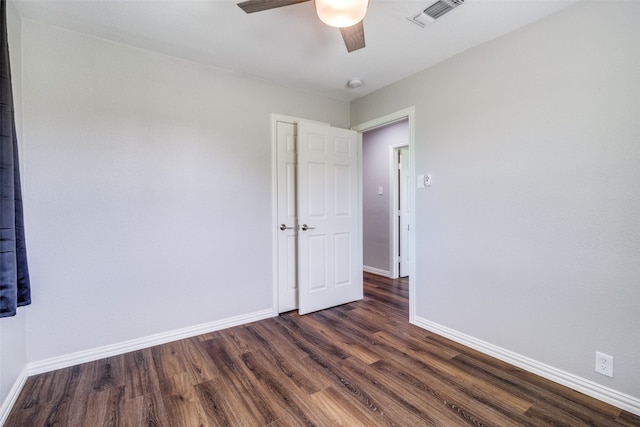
(420, 181)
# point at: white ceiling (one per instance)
(291, 46)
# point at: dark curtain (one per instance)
(15, 290)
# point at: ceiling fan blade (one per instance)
(251, 6)
(353, 36)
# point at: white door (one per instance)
(404, 183)
(329, 216)
(287, 220)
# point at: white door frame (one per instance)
(408, 114)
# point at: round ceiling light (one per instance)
(354, 83)
(341, 13)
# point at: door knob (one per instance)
(305, 227)
(284, 227)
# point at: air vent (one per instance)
(435, 11)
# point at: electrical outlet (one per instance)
(604, 364)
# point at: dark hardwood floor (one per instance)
(359, 364)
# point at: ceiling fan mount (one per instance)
(353, 35)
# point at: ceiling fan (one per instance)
(346, 15)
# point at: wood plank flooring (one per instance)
(360, 364)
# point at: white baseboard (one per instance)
(10, 400)
(90, 355)
(588, 387)
(378, 271)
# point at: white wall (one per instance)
(376, 164)
(13, 330)
(529, 238)
(147, 190)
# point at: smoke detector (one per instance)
(354, 83)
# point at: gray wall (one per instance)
(147, 190)
(529, 238)
(13, 330)
(376, 172)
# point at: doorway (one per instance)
(407, 114)
(386, 219)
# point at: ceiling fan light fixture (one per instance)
(341, 13)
